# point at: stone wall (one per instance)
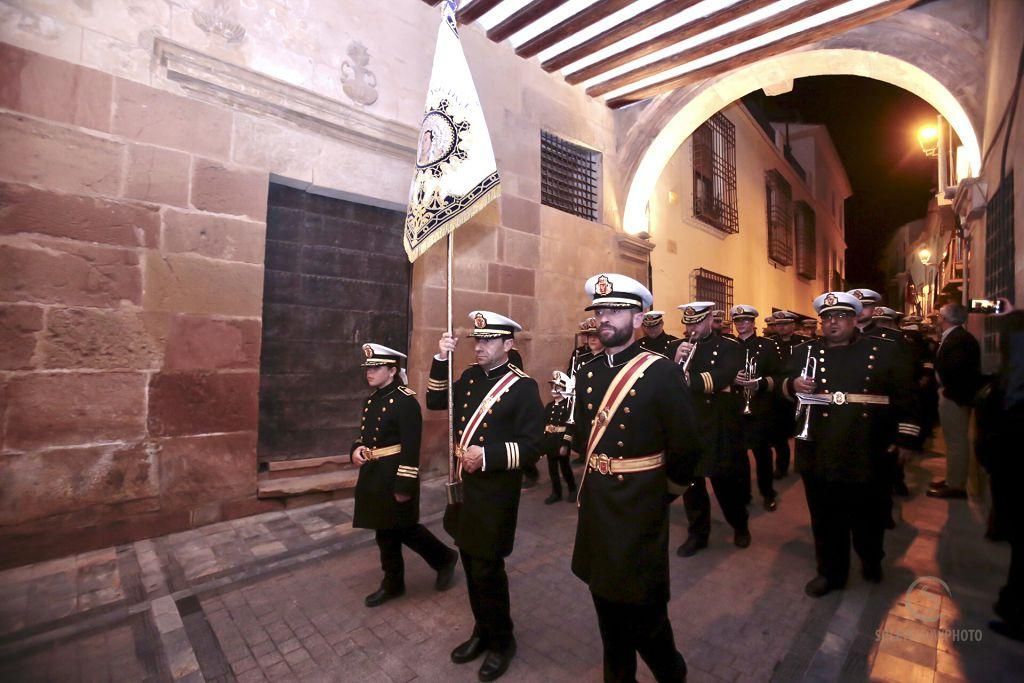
(139, 143)
(131, 251)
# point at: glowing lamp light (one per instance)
(928, 138)
(925, 254)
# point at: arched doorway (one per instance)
(671, 119)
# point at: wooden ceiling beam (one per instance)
(623, 29)
(677, 35)
(786, 44)
(476, 10)
(574, 24)
(523, 18)
(772, 23)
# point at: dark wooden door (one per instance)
(336, 277)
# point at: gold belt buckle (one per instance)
(602, 463)
(839, 398)
(368, 454)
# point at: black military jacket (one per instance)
(786, 346)
(621, 548)
(485, 523)
(658, 344)
(556, 432)
(717, 404)
(849, 440)
(766, 352)
(391, 415)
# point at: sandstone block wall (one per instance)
(131, 271)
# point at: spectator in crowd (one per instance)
(958, 369)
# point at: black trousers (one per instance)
(782, 453)
(765, 471)
(841, 511)
(488, 598)
(731, 495)
(628, 629)
(556, 463)
(420, 540)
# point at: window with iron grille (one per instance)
(708, 286)
(779, 203)
(999, 259)
(714, 174)
(806, 241)
(568, 176)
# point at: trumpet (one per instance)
(750, 370)
(693, 352)
(809, 372)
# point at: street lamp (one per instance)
(928, 138)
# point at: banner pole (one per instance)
(451, 359)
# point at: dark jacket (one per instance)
(657, 344)
(717, 404)
(759, 426)
(621, 549)
(391, 415)
(849, 440)
(484, 525)
(556, 432)
(958, 366)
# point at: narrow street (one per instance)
(279, 597)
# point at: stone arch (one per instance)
(914, 52)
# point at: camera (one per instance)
(986, 306)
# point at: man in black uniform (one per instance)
(655, 338)
(591, 347)
(759, 397)
(809, 328)
(498, 420)
(557, 439)
(635, 423)
(387, 454)
(861, 390)
(785, 424)
(710, 376)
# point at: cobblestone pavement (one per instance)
(278, 597)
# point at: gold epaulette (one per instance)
(406, 390)
(518, 371)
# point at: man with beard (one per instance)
(498, 421)
(655, 338)
(859, 391)
(634, 422)
(710, 375)
(758, 392)
(387, 454)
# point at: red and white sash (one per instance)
(490, 398)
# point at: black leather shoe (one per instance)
(872, 572)
(553, 498)
(692, 545)
(469, 650)
(771, 504)
(940, 484)
(819, 586)
(496, 663)
(900, 489)
(571, 497)
(946, 492)
(445, 574)
(529, 483)
(381, 596)
(741, 539)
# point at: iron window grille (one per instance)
(714, 174)
(568, 176)
(999, 254)
(779, 207)
(706, 285)
(806, 241)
